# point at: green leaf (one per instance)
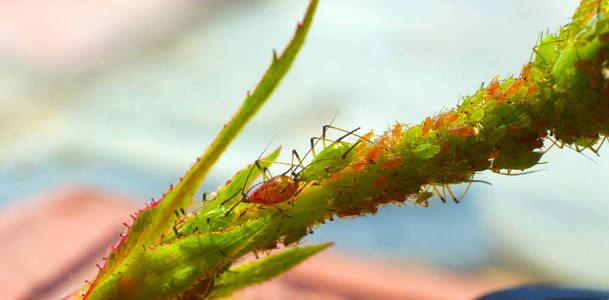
(263, 269)
(157, 220)
(163, 271)
(211, 216)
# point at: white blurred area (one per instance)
(126, 96)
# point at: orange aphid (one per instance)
(526, 72)
(363, 146)
(397, 131)
(380, 181)
(501, 96)
(493, 155)
(359, 165)
(532, 90)
(515, 86)
(451, 116)
(493, 88)
(438, 123)
(375, 152)
(392, 163)
(426, 126)
(462, 130)
(334, 177)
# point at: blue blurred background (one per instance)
(127, 97)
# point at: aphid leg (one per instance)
(442, 197)
(266, 174)
(466, 189)
(233, 207)
(451, 193)
(599, 145)
(300, 163)
(348, 150)
(348, 133)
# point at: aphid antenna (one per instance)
(509, 172)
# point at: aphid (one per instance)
(281, 188)
(392, 163)
(446, 187)
(493, 89)
(462, 130)
(526, 72)
(501, 96)
(426, 126)
(514, 87)
(426, 150)
(450, 116)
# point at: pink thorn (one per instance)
(99, 267)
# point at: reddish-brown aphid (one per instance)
(493, 88)
(276, 190)
(392, 163)
(462, 130)
(604, 37)
(426, 126)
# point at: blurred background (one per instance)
(120, 98)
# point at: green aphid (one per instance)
(477, 115)
(330, 160)
(518, 161)
(426, 150)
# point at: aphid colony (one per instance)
(562, 95)
(337, 156)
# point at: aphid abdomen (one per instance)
(277, 190)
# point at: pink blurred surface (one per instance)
(51, 242)
(67, 33)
